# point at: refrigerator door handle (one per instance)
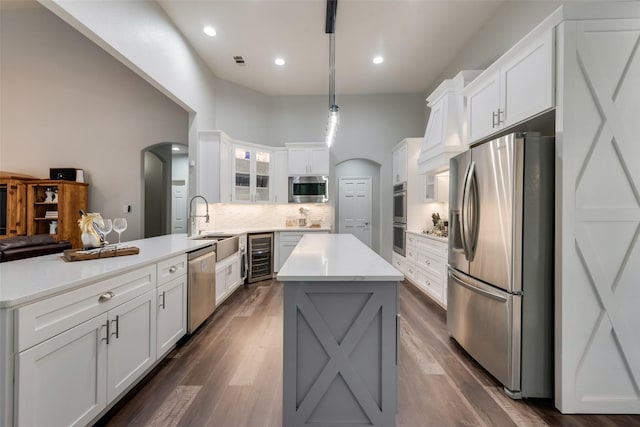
(490, 294)
(474, 212)
(464, 212)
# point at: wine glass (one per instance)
(119, 225)
(105, 229)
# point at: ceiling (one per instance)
(417, 39)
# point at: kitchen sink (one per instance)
(226, 244)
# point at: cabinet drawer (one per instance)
(430, 284)
(411, 271)
(432, 264)
(37, 322)
(171, 268)
(399, 262)
(411, 253)
(429, 245)
(287, 236)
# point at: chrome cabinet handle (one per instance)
(117, 332)
(500, 120)
(495, 121)
(163, 306)
(106, 296)
(173, 269)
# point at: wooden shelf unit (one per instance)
(14, 194)
(72, 196)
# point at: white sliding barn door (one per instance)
(598, 217)
(355, 208)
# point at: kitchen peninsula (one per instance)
(340, 334)
(90, 328)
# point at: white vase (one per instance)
(90, 240)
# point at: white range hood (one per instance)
(443, 137)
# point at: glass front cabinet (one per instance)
(252, 170)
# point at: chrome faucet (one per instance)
(192, 218)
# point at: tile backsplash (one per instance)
(233, 216)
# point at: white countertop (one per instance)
(234, 231)
(336, 257)
(430, 236)
(28, 280)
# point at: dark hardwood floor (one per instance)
(230, 374)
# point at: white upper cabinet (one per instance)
(400, 156)
(308, 159)
(251, 174)
(213, 166)
(516, 87)
(444, 135)
(280, 176)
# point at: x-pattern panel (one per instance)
(339, 358)
(612, 131)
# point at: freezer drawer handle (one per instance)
(475, 289)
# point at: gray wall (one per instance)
(67, 103)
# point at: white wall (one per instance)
(67, 103)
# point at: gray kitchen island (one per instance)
(340, 334)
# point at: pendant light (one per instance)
(330, 28)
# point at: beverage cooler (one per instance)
(260, 257)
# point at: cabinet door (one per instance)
(132, 342)
(233, 275)
(262, 187)
(63, 381)
(298, 164)
(527, 81)
(242, 175)
(318, 161)
(171, 314)
(221, 284)
(285, 250)
(400, 156)
(482, 104)
(280, 177)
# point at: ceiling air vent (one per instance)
(239, 60)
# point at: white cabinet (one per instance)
(436, 188)
(286, 242)
(131, 348)
(172, 314)
(400, 157)
(444, 135)
(251, 175)
(63, 381)
(213, 164)
(228, 277)
(280, 177)
(426, 266)
(308, 159)
(92, 362)
(518, 86)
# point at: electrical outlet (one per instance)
(126, 208)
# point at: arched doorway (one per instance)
(165, 188)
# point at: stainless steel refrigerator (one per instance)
(500, 277)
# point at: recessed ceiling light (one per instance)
(378, 60)
(279, 61)
(174, 148)
(210, 31)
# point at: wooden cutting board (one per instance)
(107, 252)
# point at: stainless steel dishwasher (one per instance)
(201, 292)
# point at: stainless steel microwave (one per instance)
(308, 189)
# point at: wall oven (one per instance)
(400, 203)
(308, 189)
(399, 238)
